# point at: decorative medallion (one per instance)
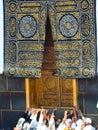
(86, 71)
(12, 6)
(12, 71)
(27, 26)
(84, 4)
(68, 25)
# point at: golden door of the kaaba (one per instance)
(50, 92)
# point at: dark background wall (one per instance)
(13, 100)
(88, 98)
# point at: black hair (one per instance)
(38, 116)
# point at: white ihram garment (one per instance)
(52, 124)
(89, 127)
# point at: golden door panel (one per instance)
(66, 92)
(50, 90)
(31, 92)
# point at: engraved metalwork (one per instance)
(68, 25)
(27, 26)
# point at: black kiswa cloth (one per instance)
(73, 28)
(24, 37)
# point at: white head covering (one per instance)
(20, 122)
(88, 120)
(68, 121)
(79, 122)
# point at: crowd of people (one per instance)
(45, 119)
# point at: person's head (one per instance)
(79, 122)
(70, 114)
(38, 116)
(68, 121)
(88, 121)
(46, 122)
